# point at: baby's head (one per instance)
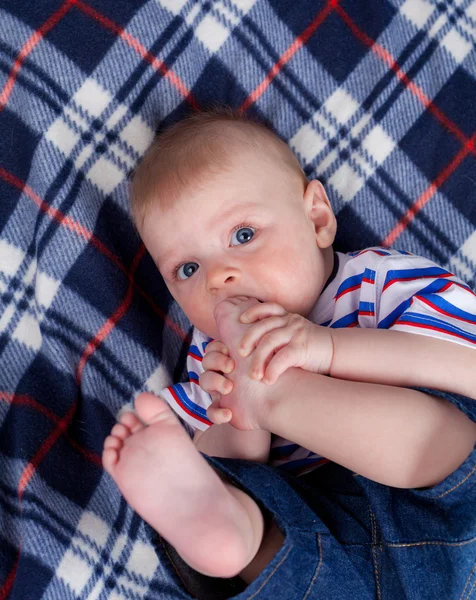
(224, 209)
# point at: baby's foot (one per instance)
(246, 401)
(170, 485)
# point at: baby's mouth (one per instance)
(255, 297)
(221, 299)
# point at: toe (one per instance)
(233, 307)
(150, 408)
(224, 309)
(131, 421)
(113, 442)
(120, 431)
(110, 457)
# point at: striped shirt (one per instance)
(373, 288)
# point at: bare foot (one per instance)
(170, 485)
(246, 401)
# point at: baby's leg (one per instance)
(216, 528)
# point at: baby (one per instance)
(292, 338)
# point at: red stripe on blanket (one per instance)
(109, 325)
(8, 584)
(468, 144)
(80, 230)
(156, 63)
(428, 194)
(50, 441)
(27, 49)
(25, 478)
(24, 400)
(403, 77)
(298, 43)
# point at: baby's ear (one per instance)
(319, 211)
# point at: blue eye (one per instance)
(186, 270)
(242, 235)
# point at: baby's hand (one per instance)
(216, 362)
(280, 340)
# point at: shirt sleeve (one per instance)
(415, 295)
(188, 399)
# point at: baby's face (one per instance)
(246, 232)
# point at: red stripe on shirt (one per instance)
(442, 276)
(433, 328)
(351, 289)
(188, 411)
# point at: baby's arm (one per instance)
(395, 436)
(403, 359)
(279, 340)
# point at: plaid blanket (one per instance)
(377, 99)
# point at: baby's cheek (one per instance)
(299, 287)
(200, 315)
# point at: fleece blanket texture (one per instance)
(377, 100)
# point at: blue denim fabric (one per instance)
(349, 538)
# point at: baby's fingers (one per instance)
(269, 346)
(262, 310)
(218, 415)
(281, 362)
(259, 330)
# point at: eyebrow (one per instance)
(237, 208)
(169, 256)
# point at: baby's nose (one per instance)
(219, 277)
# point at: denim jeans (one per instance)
(349, 538)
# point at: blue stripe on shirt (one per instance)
(193, 376)
(348, 284)
(428, 322)
(369, 276)
(395, 275)
(195, 351)
(366, 307)
(192, 407)
(433, 287)
(347, 320)
(449, 309)
(379, 252)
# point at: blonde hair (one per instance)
(198, 146)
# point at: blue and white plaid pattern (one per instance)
(377, 99)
